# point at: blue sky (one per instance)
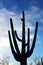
(13, 9)
(20, 4)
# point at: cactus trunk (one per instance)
(24, 62)
(23, 34)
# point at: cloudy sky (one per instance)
(13, 9)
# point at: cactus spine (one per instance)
(22, 57)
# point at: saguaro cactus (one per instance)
(22, 57)
(42, 61)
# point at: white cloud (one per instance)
(4, 41)
(11, 64)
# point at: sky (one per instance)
(13, 9)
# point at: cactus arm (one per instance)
(28, 41)
(34, 40)
(33, 44)
(12, 49)
(17, 36)
(13, 35)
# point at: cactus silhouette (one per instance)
(42, 61)
(22, 56)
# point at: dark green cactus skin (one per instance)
(22, 57)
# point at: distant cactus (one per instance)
(41, 61)
(22, 57)
(37, 61)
